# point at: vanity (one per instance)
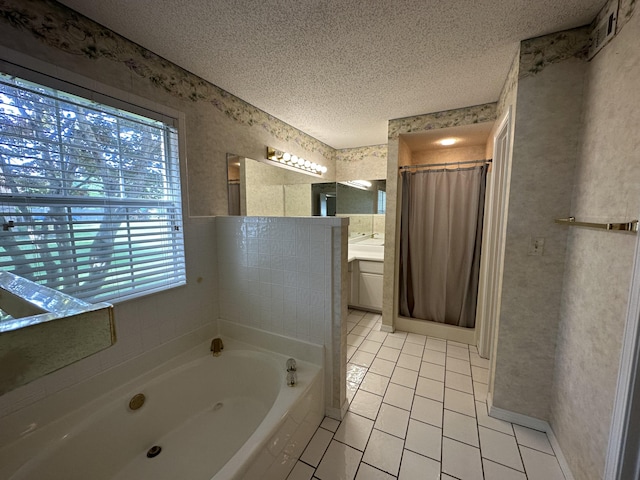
(366, 261)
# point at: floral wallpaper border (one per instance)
(449, 118)
(64, 29)
(538, 53)
(360, 153)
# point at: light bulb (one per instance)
(301, 161)
(314, 166)
(307, 163)
(447, 141)
(323, 169)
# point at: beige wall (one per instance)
(606, 187)
(544, 154)
(363, 163)
(449, 155)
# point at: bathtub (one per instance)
(226, 417)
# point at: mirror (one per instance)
(42, 330)
(260, 189)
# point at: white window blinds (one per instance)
(89, 195)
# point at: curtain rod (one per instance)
(427, 165)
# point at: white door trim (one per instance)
(493, 255)
(627, 400)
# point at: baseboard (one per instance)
(535, 424)
(435, 329)
(338, 414)
(386, 328)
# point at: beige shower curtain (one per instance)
(441, 236)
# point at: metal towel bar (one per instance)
(631, 226)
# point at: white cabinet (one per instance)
(365, 280)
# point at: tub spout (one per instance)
(217, 346)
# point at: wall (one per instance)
(46, 36)
(286, 276)
(606, 187)
(449, 155)
(362, 163)
(549, 102)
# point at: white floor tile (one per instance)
(375, 383)
(416, 466)
(540, 466)
(459, 402)
(424, 439)
(480, 391)
(387, 353)
(456, 344)
(377, 336)
(429, 388)
(352, 388)
(301, 471)
(330, 424)
(350, 325)
(405, 377)
(370, 346)
(362, 358)
(399, 396)
(366, 404)
(427, 411)
(360, 330)
(480, 374)
(460, 460)
(413, 349)
(384, 451)
(367, 472)
(398, 334)
(458, 366)
(433, 356)
(460, 427)
(392, 420)
(316, 447)
(350, 351)
(533, 439)
(393, 342)
(485, 420)
(478, 361)
(495, 471)
(354, 340)
(382, 367)
(339, 463)
(436, 344)
(457, 381)
(416, 338)
(409, 361)
(354, 431)
(500, 448)
(458, 352)
(432, 371)
(355, 373)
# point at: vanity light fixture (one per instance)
(447, 141)
(288, 160)
(361, 184)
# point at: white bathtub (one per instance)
(226, 417)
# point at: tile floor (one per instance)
(418, 411)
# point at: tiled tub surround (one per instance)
(418, 411)
(205, 420)
(286, 276)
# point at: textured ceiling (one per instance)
(339, 69)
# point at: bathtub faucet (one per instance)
(216, 346)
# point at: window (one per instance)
(382, 201)
(89, 195)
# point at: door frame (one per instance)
(490, 292)
(623, 451)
